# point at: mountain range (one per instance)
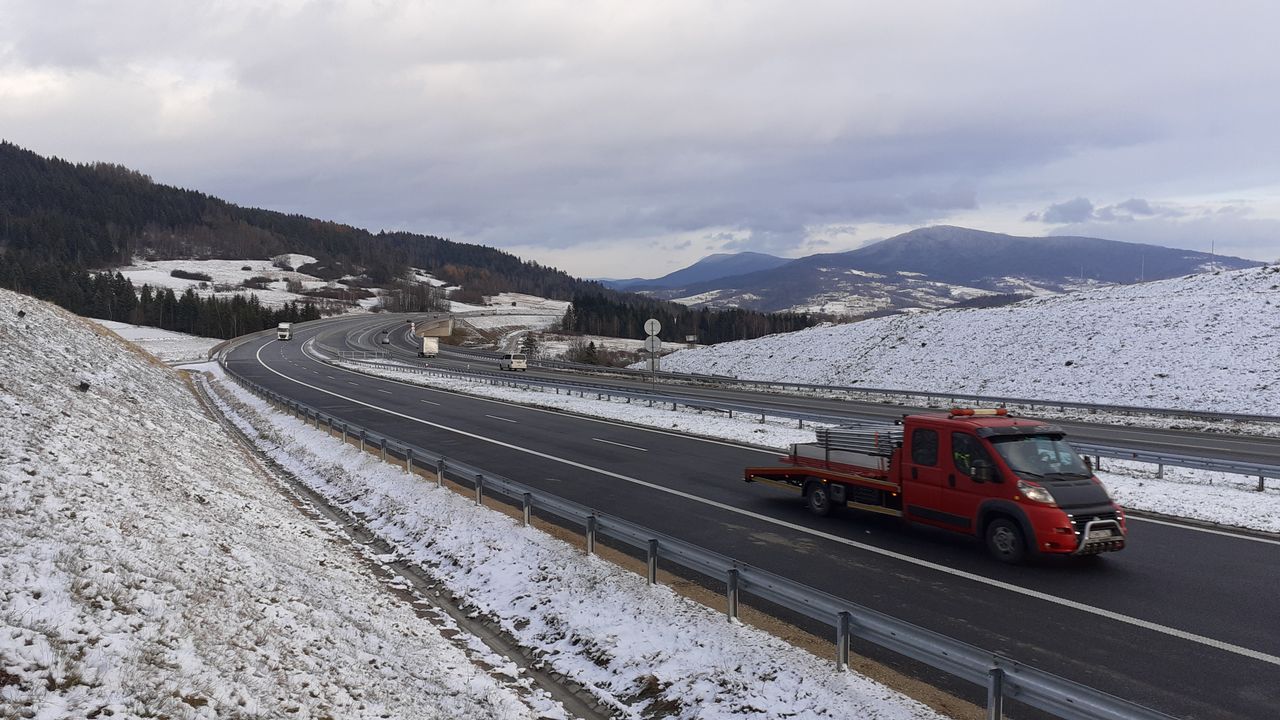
(927, 268)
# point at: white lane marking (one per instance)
(633, 447)
(383, 391)
(430, 402)
(495, 417)
(351, 383)
(1010, 587)
(331, 377)
(1211, 531)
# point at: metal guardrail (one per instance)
(1003, 677)
(942, 398)
(1237, 467)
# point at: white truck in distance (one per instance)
(430, 347)
(284, 331)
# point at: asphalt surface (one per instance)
(1183, 620)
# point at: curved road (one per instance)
(1183, 621)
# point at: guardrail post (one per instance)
(344, 433)
(479, 489)
(362, 439)
(1262, 483)
(591, 534)
(842, 641)
(1160, 471)
(408, 460)
(440, 472)
(382, 445)
(995, 694)
(526, 506)
(731, 593)
(651, 562)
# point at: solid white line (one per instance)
(495, 417)
(1046, 597)
(1211, 531)
(633, 447)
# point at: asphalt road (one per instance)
(1225, 446)
(1183, 620)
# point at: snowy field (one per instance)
(151, 570)
(645, 651)
(170, 347)
(1183, 492)
(553, 345)
(228, 276)
(1202, 342)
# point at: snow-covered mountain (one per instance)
(711, 267)
(1206, 341)
(940, 266)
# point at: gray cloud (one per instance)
(544, 124)
(1077, 210)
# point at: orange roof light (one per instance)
(966, 412)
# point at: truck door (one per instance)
(961, 494)
(922, 474)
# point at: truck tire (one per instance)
(818, 498)
(1005, 541)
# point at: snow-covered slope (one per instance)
(171, 347)
(1200, 342)
(148, 570)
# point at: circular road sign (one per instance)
(652, 326)
(652, 344)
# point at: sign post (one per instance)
(652, 345)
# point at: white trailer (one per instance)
(430, 347)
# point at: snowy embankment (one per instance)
(151, 570)
(1203, 342)
(1215, 497)
(170, 347)
(646, 651)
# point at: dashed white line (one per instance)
(495, 417)
(383, 391)
(610, 442)
(430, 402)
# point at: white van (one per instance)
(513, 361)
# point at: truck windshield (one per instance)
(1041, 457)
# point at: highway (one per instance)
(1182, 621)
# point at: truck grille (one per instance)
(1080, 521)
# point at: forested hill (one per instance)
(58, 219)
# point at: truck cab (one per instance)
(1015, 483)
(1018, 484)
(284, 331)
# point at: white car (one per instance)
(513, 361)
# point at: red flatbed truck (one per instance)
(1014, 482)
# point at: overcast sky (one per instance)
(626, 139)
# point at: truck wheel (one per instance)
(819, 498)
(1005, 540)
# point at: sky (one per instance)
(626, 139)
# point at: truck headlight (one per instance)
(1035, 493)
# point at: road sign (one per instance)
(652, 326)
(652, 344)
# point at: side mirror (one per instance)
(982, 471)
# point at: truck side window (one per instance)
(924, 447)
(965, 448)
